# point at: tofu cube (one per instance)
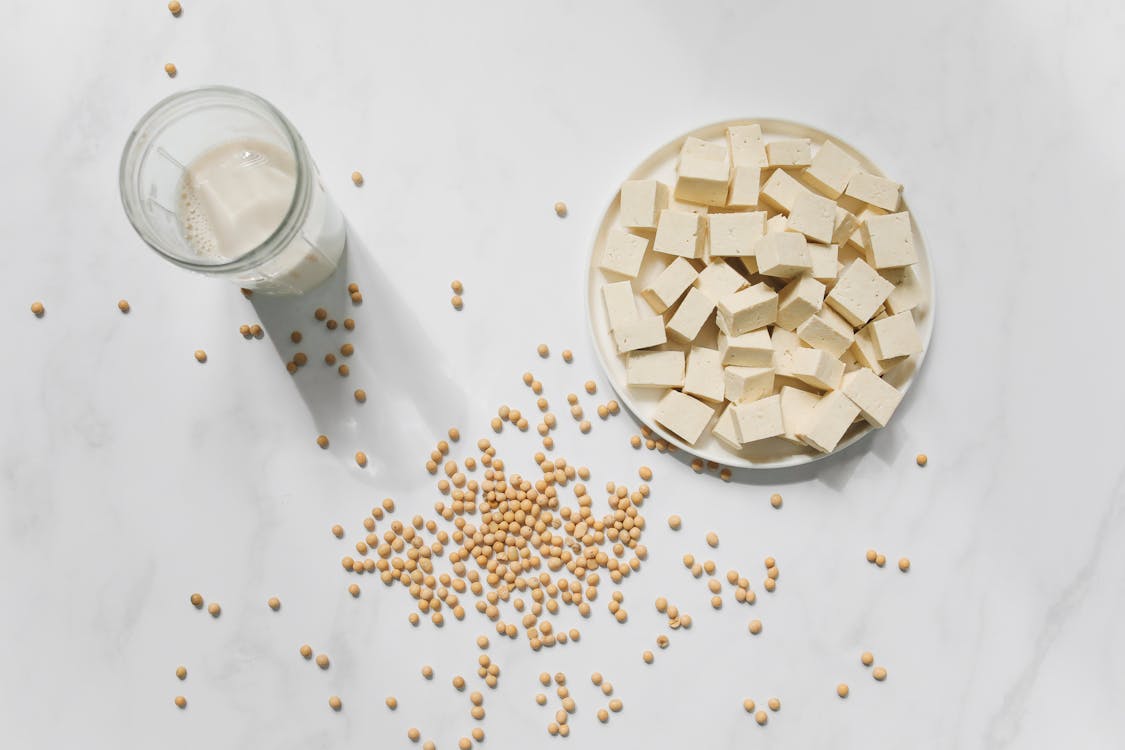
(725, 430)
(818, 368)
(659, 369)
(889, 240)
(877, 191)
(785, 344)
(683, 415)
(747, 383)
(780, 190)
(735, 234)
(796, 406)
(843, 225)
(753, 349)
(865, 353)
(679, 233)
(827, 331)
(745, 182)
(640, 334)
(857, 239)
(620, 304)
(758, 420)
(703, 173)
(669, 285)
(690, 316)
(749, 264)
(746, 146)
(704, 377)
(795, 152)
(896, 336)
(719, 280)
(859, 293)
(828, 421)
(824, 261)
(907, 294)
(641, 203)
(798, 301)
(623, 253)
(749, 309)
(831, 170)
(813, 216)
(783, 255)
(876, 398)
(777, 224)
(697, 148)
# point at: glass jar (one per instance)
(217, 181)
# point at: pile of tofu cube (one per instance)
(804, 262)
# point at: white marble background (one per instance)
(131, 476)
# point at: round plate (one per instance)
(762, 454)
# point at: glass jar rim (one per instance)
(130, 191)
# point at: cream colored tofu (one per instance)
(687, 208)
(752, 349)
(620, 304)
(818, 368)
(735, 234)
(793, 152)
(758, 420)
(824, 261)
(697, 148)
(777, 224)
(623, 253)
(896, 336)
(876, 398)
(889, 240)
(719, 280)
(907, 294)
(640, 334)
(827, 331)
(669, 285)
(843, 225)
(725, 430)
(749, 309)
(703, 173)
(894, 275)
(641, 203)
(784, 344)
(780, 190)
(746, 146)
(745, 183)
(659, 369)
(749, 264)
(828, 421)
(857, 239)
(684, 415)
(813, 216)
(859, 293)
(876, 191)
(680, 233)
(796, 406)
(831, 170)
(864, 351)
(849, 360)
(747, 383)
(798, 301)
(690, 316)
(782, 255)
(704, 376)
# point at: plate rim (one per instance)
(730, 459)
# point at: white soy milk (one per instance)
(233, 197)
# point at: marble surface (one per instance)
(131, 476)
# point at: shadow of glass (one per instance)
(408, 399)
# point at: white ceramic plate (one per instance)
(774, 452)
